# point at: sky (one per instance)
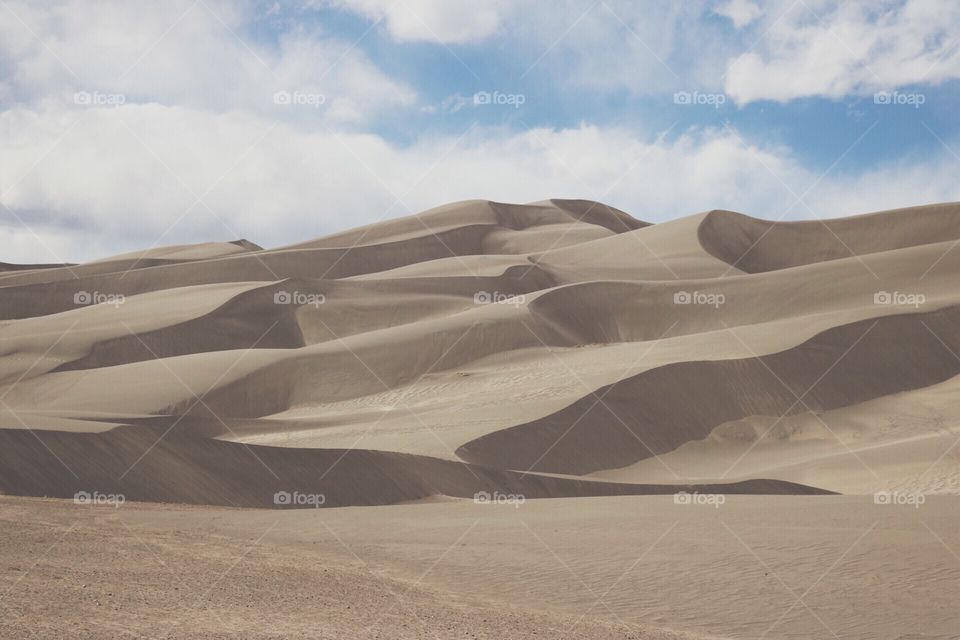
(128, 124)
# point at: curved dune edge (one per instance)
(663, 408)
(7, 268)
(754, 245)
(193, 470)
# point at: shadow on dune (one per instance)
(756, 246)
(658, 410)
(194, 470)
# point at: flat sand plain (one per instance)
(625, 567)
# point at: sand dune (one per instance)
(903, 441)
(196, 470)
(843, 366)
(759, 245)
(558, 337)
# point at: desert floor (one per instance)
(624, 567)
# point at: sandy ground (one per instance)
(101, 572)
(640, 567)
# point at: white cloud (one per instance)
(126, 177)
(184, 53)
(740, 12)
(448, 21)
(35, 244)
(450, 104)
(857, 47)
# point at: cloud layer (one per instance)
(125, 126)
(828, 50)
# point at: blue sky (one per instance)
(818, 129)
(125, 125)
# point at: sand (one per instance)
(639, 567)
(561, 351)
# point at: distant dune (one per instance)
(555, 349)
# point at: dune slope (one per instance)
(482, 346)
